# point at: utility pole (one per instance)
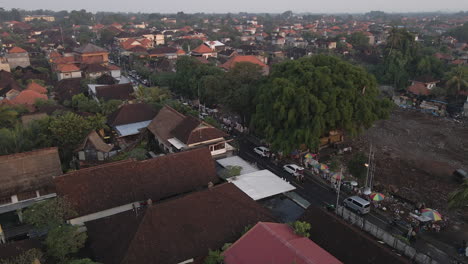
(339, 189)
(368, 165)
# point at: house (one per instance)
(4, 66)
(426, 80)
(67, 71)
(39, 17)
(27, 177)
(90, 54)
(347, 243)
(28, 98)
(278, 242)
(18, 57)
(119, 184)
(130, 119)
(94, 70)
(215, 45)
(419, 89)
(193, 223)
(9, 88)
(247, 58)
(167, 52)
(175, 132)
(65, 89)
(94, 148)
(36, 87)
(204, 51)
(122, 92)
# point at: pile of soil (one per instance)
(416, 154)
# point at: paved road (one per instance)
(318, 193)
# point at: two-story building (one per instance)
(17, 56)
(91, 54)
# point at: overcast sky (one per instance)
(234, 6)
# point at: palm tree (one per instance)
(459, 198)
(458, 79)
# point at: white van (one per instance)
(358, 204)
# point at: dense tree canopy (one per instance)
(304, 99)
(460, 33)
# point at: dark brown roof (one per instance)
(7, 83)
(92, 68)
(28, 171)
(14, 249)
(191, 130)
(89, 48)
(105, 79)
(176, 230)
(162, 50)
(116, 91)
(114, 184)
(164, 122)
(65, 89)
(131, 113)
(345, 242)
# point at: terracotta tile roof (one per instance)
(164, 122)
(17, 50)
(63, 60)
(278, 242)
(28, 171)
(116, 91)
(131, 113)
(114, 184)
(418, 89)
(112, 67)
(202, 49)
(90, 49)
(347, 243)
(36, 87)
(202, 60)
(28, 97)
(191, 130)
(248, 58)
(176, 230)
(67, 68)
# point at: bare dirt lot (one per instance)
(416, 154)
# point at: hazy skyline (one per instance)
(217, 6)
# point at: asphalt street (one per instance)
(318, 193)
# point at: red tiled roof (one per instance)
(278, 242)
(114, 184)
(67, 68)
(418, 89)
(248, 58)
(36, 87)
(17, 50)
(28, 97)
(176, 230)
(202, 49)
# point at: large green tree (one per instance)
(239, 88)
(457, 80)
(63, 241)
(459, 198)
(306, 98)
(48, 214)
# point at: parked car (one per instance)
(357, 204)
(262, 151)
(294, 170)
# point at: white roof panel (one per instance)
(177, 143)
(238, 161)
(131, 129)
(261, 184)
